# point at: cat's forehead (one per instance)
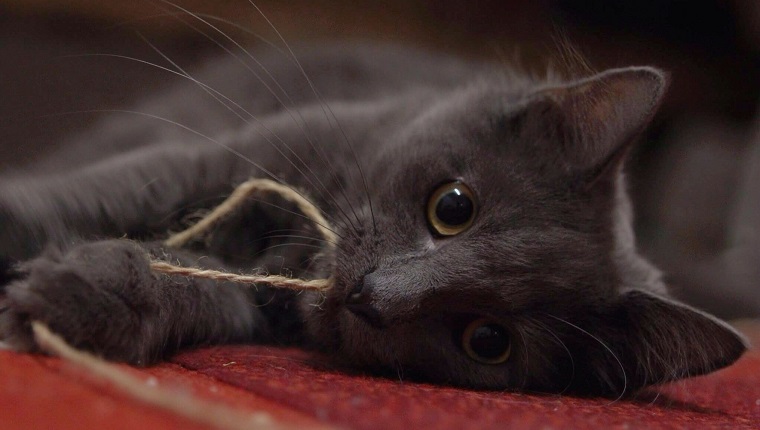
(472, 107)
(486, 125)
(466, 133)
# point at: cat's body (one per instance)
(531, 280)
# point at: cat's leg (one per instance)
(128, 194)
(103, 297)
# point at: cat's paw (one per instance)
(97, 296)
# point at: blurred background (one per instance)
(695, 177)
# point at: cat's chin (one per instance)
(336, 330)
(330, 325)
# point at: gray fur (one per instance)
(551, 254)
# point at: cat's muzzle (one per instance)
(359, 302)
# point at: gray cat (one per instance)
(484, 228)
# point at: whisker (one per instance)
(216, 18)
(323, 104)
(269, 248)
(190, 130)
(296, 236)
(526, 363)
(294, 232)
(209, 90)
(289, 230)
(298, 214)
(654, 400)
(399, 370)
(213, 93)
(625, 376)
(165, 69)
(569, 354)
(269, 88)
(194, 203)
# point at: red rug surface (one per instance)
(39, 392)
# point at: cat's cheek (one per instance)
(358, 342)
(359, 345)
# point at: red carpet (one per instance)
(38, 392)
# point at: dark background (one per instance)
(711, 47)
(684, 175)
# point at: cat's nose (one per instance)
(359, 300)
(362, 291)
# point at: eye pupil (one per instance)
(486, 341)
(454, 208)
(451, 209)
(489, 341)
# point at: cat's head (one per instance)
(501, 254)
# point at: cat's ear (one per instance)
(657, 339)
(603, 114)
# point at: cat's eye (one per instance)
(486, 341)
(451, 209)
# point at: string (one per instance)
(205, 412)
(233, 202)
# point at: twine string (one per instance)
(190, 407)
(233, 202)
(195, 409)
(276, 281)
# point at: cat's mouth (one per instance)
(368, 314)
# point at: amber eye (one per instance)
(451, 209)
(486, 341)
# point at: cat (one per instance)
(484, 228)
